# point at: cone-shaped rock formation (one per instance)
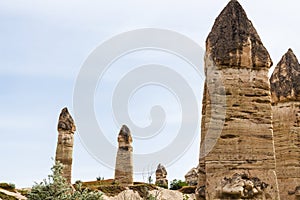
(237, 136)
(285, 91)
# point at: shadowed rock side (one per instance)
(161, 176)
(238, 140)
(285, 82)
(65, 142)
(124, 160)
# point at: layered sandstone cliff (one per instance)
(237, 149)
(64, 150)
(285, 91)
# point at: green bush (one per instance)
(8, 186)
(56, 188)
(177, 184)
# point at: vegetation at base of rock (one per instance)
(8, 186)
(56, 188)
(162, 186)
(177, 184)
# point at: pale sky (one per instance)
(43, 45)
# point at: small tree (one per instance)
(56, 188)
(177, 184)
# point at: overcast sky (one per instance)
(43, 45)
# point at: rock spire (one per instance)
(124, 160)
(64, 150)
(236, 132)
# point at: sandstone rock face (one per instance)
(237, 135)
(161, 176)
(285, 82)
(65, 142)
(160, 193)
(191, 178)
(124, 161)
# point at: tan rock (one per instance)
(191, 178)
(65, 142)
(161, 176)
(124, 160)
(237, 135)
(285, 91)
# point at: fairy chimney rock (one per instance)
(124, 160)
(161, 176)
(237, 135)
(285, 91)
(64, 150)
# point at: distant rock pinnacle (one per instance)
(65, 142)
(285, 80)
(234, 41)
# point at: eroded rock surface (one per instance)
(285, 82)
(64, 150)
(241, 186)
(236, 130)
(191, 178)
(161, 176)
(124, 160)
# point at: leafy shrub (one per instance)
(8, 186)
(56, 188)
(177, 184)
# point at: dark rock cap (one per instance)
(161, 169)
(285, 80)
(125, 133)
(231, 33)
(65, 121)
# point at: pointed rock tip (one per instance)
(124, 130)
(284, 79)
(65, 121)
(230, 34)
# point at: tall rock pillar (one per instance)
(65, 142)
(285, 91)
(237, 120)
(124, 160)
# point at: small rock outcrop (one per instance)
(124, 160)
(285, 91)
(64, 150)
(237, 114)
(241, 186)
(191, 178)
(161, 176)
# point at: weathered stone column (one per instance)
(241, 163)
(161, 176)
(285, 91)
(124, 161)
(65, 142)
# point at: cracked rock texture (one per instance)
(124, 160)
(64, 149)
(161, 176)
(191, 178)
(237, 132)
(285, 88)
